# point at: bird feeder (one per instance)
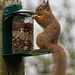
(22, 32)
(17, 32)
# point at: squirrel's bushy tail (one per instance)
(60, 60)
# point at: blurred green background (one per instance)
(64, 10)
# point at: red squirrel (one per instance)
(48, 39)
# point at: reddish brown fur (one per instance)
(60, 60)
(48, 39)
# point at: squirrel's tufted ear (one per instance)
(47, 5)
(43, 1)
(47, 2)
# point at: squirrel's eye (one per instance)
(41, 9)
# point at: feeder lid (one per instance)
(11, 9)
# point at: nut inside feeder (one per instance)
(22, 32)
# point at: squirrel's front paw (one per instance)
(34, 16)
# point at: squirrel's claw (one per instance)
(34, 16)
